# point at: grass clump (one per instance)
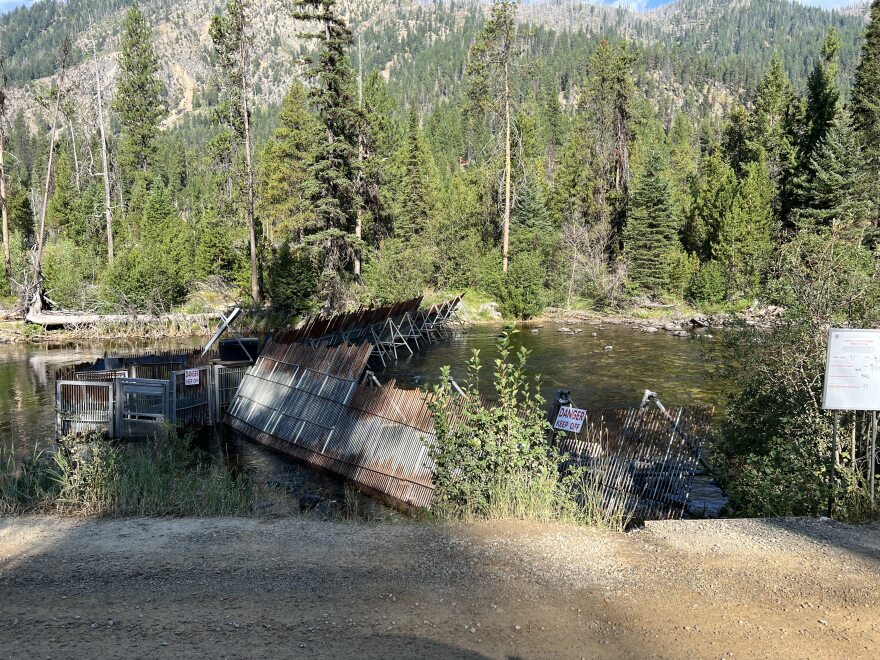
(90, 475)
(495, 460)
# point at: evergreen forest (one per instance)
(531, 162)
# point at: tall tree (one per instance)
(593, 181)
(233, 44)
(743, 239)
(139, 99)
(823, 98)
(286, 183)
(37, 295)
(4, 210)
(651, 235)
(336, 199)
(416, 211)
(837, 194)
(865, 102)
(489, 89)
(105, 160)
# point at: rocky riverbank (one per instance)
(299, 587)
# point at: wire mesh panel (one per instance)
(643, 458)
(83, 406)
(142, 407)
(226, 382)
(191, 397)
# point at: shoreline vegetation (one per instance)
(63, 327)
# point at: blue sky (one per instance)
(6, 5)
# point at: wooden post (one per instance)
(872, 456)
(832, 464)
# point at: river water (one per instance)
(671, 366)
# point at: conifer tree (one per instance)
(743, 239)
(490, 90)
(139, 98)
(335, 170)
(593, 181)
(768, 120)
(713, 195)
(651, 234)
(63, 203)
(4, 204)
(837, 194)
(286, 183)
(416, 211)
(822, 100)
(865, 104)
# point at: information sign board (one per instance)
(852, 371)
(570, 419)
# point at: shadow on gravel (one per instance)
(860, 540)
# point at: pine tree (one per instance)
(651, 234)
(713, 196)
(139, 98)
(337, 158)
(743, 239)
(286, 183)
(865, 105)
(63, 203)
(593, 181)
(767, 122)
(490, 90)
(837, 194)
(823, 99)
(417, 208)
(865, 102)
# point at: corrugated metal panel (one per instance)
(305, 402)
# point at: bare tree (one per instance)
(7, 261)
(586, 247)
(105, 164)
(38, 295)
(233, 43)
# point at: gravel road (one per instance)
(300, 587)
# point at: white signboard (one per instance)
(852, 373)
(570, 419)
(191, 377)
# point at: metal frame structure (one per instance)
(113, 396)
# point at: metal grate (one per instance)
(642, 458)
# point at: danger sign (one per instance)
(570, 419)
(191, 377)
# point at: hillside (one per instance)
(689, 52)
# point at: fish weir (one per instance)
(310, 402)
(642, 459)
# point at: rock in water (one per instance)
(609, 348)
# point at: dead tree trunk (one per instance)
(505, 241)
(7, 260)
(105, 165)
(37, 293)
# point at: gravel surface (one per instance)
(299, 587)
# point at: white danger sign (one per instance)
(191, 377)
(570, 419)
(852, 370)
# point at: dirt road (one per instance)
(299, 587)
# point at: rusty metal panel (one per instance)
(305, 401)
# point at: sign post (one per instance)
(852, 382)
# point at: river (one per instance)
(671, 366)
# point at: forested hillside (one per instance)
(310, 154)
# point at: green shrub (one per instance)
(772, 450)
(709, 284)
(520, 291)
(494, 460)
